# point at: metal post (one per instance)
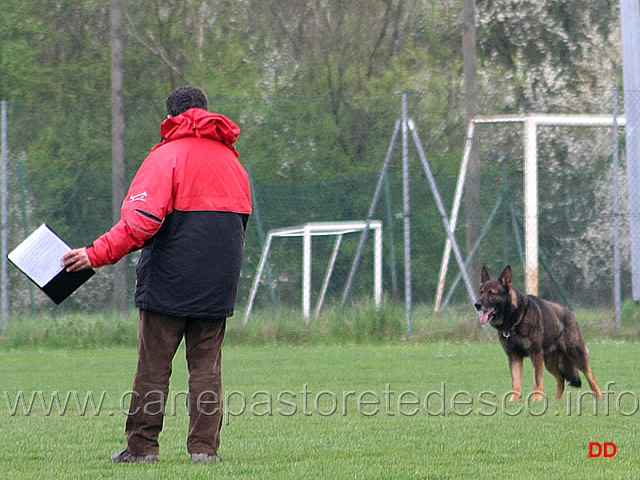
(256, 279)
(630, 32)
(256, 215)
(457, 199)
(476, 245)
(505, 212)
(443, 213)
(516, 235)
(407, 220)
(328, 273)
(3, 212)
(392, 248)
(616, 211)
(306, 273)
(377, 266)
(25, 223)
(372, 211)
(531, 206)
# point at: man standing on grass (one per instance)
(187, 208)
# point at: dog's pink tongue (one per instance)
(483, 317)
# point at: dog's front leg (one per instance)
(515, 365)
(538, 375)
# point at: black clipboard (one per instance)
(39, 258)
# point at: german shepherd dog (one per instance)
(529, 326)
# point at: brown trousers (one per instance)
(159, 336)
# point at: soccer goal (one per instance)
(529, 137)
(307, 232)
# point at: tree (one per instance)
(117, 144)
(549, 56)
(472, 194)
(311, 83)
(337, 51)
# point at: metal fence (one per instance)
(297, 166)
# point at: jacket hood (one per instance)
(200, 123)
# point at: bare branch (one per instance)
(158, 50)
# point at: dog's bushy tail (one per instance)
(573, 378)
(575, 358)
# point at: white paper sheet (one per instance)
(39, 256)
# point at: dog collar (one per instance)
(507, 333)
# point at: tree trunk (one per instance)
(472, 190)
(117, 145)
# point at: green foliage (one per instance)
(313, 86)
(73, 330)
(18, 58)
(69, 174)
(630, 315)
(366, 323)
(361, 324)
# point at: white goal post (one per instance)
(307, 231)
(531, 123)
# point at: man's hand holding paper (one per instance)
(76, 259)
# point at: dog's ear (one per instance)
(505, 279)
(485, 274)
(505, 276)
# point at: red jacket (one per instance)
(187, 207)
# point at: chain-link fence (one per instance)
(307, 167)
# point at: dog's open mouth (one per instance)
(485, 315)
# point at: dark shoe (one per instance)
(126, 456)
(205, 457)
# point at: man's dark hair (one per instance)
(184, 98)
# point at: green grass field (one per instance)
(326, 411)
